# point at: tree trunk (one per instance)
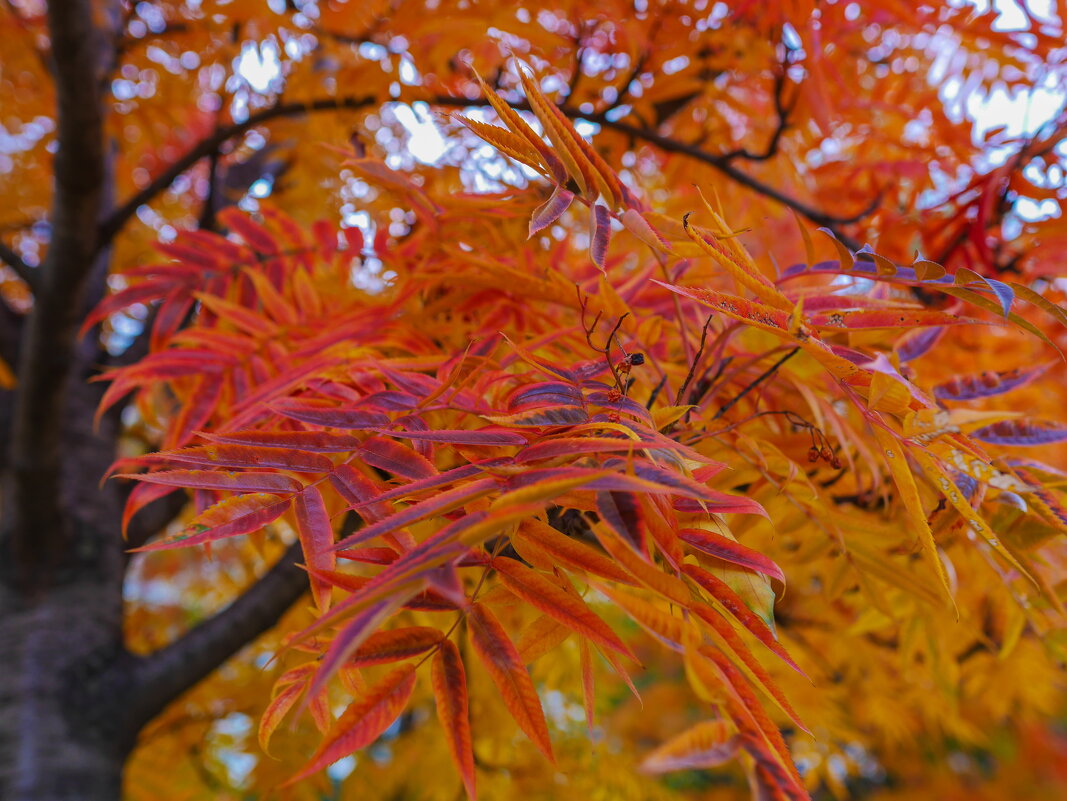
(62, 731)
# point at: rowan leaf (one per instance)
(363, 721)
(505, 667)
(450, 694)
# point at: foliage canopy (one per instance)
(604, 438)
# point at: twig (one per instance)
(759, 380)
(693, 365)
(19, 266)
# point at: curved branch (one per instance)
(720, 163)
(210, 145)
(18, 264)
(164, 675)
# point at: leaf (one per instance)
(1022, 432)
(744, 273)
(316, 441)
(982, 385)
(276, 711)
(395, 458)
(568, 608)
(250, 456)
(846, 256)
(505, 667)
(674, 632)
(363, 721)
(394, 645)
(600, 236)
(449, 680)
(483, 436)
(722, 547)
(708, 744)
(733, 603)
(569, 551)
(895, 457)
(231, 517)
(274, 483)
(331, 416)
(316, 539)
(551, 210)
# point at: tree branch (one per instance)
(18, 264)
(210, 145)
(720, 163)
(163, 676)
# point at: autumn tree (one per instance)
(504, 399)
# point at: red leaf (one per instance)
(243, 456)
(733, 603)
(364, 720)
(317, 441)
(450, 694)
(241, 514)
(395, 458)
(394, 645)
(502, 660)
(329, 415)
(484, 436)
(276, 712)
(568, 608)
(274, 483)
(316, 538)
(730, 551)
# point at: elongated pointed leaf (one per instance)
(394, 645)
(274, 483)
(316, 539)
(364, 720)
(729, 550)
(449, 679)
(705, 745)
(505, 667)
(567, 607)
(241, 514)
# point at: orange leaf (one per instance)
(364, 720)
(450, 692)
(502, 660)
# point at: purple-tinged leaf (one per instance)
(1022, 432)
(316, 441)
(601, 235)
(393, 457)
(274, 483)
(982, 385)
(328, 415)
(551, 210)
(730, 551)
(482, 436)
(915, 343)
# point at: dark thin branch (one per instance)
(210, 145)
(759, 380)
(680, 397)
(782, 110)
(718, 162)
(18, 264)
(163, 676)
